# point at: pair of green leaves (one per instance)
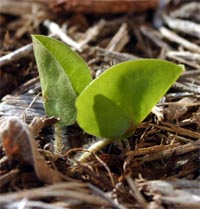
(110, 106)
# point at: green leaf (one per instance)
(121, 98)
(63, 75)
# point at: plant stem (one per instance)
(94, 148)
(58, 144)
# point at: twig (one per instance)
(68, 190)
(23, 115)
(107, 169)
(181, 193)
(190, 11)
(183, 87)
(56, 31)
(179, 40)
(25, 203)
(32, 86)
(183, 26)
(92, 32)
(103, 195)
(6, 178)
(178, 130)
(155, 37)
(178, 95)
(120, 57)
(183, 61)
(16, 55)
(25, 51)
(190, 73)
(141, 200)
(184, 54)
(120, 39)
(179, 150)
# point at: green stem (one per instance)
(94, 148)
(59, 142)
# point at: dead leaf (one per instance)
(19, 143)
(37, 124)
(177, 109)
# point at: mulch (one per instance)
(157, 167)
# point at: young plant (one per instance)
(63, 75)
(112, 105)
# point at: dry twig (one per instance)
(16, 55)
(120, 39)
(183, 26)
(56, 31)
(179, 40)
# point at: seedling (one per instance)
(112, 105)
(63, 75)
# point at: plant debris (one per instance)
(157, 167)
